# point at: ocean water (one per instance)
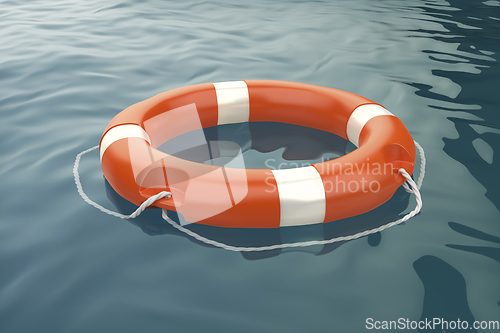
(67, 67)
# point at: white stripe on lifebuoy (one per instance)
(302, 196)
(122, 132)
(360, 116)
(233, 102)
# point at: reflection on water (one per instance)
(475, 71)
(267, 145)
(445, 292)
(488, 251)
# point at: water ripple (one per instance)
(68, 67)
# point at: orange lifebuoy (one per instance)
(233, 197)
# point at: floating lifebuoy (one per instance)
(233, 197)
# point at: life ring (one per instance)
(257, 198)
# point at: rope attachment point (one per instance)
(138, 211)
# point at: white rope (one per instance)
(410, 185)
(308, 243)
(422, 169)
(137, 212)
(423, 161)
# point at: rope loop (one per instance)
(410, 186)
(138, 211)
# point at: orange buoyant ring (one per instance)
(257, 198)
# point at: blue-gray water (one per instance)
(67, 67)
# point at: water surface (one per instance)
(68, 67)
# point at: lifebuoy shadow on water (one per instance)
(271, 145)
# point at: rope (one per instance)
(423, 161)
(308, 243)
(137, 212)
(410, 186)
